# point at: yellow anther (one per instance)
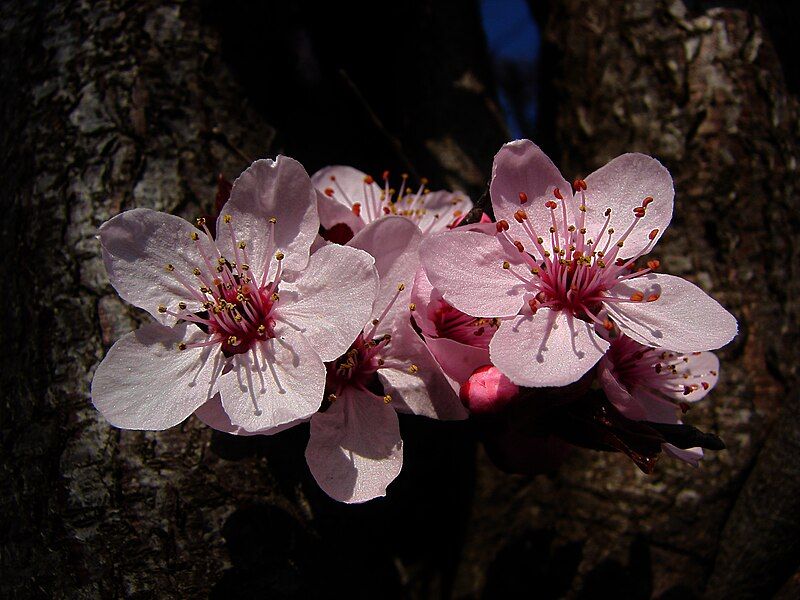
(401, 287)
(245, 267)
(413, 369)
(331, 398)
(412, 307)
(387, 398)
(181, 346)
(275, 297)
(552, 229)
(534, 270)
(221, 260)
(279, 255)
(582, 208)
(571, 228)
(583, 230)
(182, 305)
(273, 220)
(375, 321)
(506, 264)
(220, 269)
(240, 297)
(227, 218)
(242, 245)
(196, 272)
(201, 221)
(205, 290)
(620, 244)
(194, 235)
(170, 268)
(237, 317)
(233, 340)
(162, 309)
(380, 362)
(610, 230)
(262, 329)
(540, 240)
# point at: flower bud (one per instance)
(487, 390)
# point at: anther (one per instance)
(245, 267)
(196, 272)
(182, 305)
(501, 225)
(272, 220)
(368, 179)
(279, 255)
(523, 197)
(412, 307)
(170, 268)
(375, 321)
(653, 234)
(401, 287)
(653, 297)
(227, 218)
(356, 208)
(607, 213)
(413, 369)
(647, 201)
(232, 340)
(181, 346)
(242, 245)
(551, 205)
(637, 296)
(653, 264)
(387, 398)
(608, 325)
(275, 297)
(519, 246)
(506, 265)
(639, 212)
(557, 193)
(162, 309)
(520, 216)
(194, 235)
(221, 260)
(331, 398)
(579, 185)
(201, 221)
(261, 329)
(329, 192)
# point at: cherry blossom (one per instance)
(560, 265)
(653, 384)
(355, 449)
(350, 198)
(245, 319)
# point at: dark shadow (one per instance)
(610, 579)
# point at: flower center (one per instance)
(453, 324)
(568, 267)
(237, 306)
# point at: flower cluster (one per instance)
(262, 323)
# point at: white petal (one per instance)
(213, 414)
(145, 382)
(331, 300)
(547, 349)
(355, 450)
(282, 383)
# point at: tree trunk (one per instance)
(111, 105)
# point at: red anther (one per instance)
(639, 212)
(534, 304)
(659, 367)
(653, 297)
(705, 385)
(385, 175)
(501, 225)
(520, 216)
(333, 177)
(329, 192)
(523, 197)
(368, 179)
(653, 264)
(653, 234)
(619, 262)
(647, 201)
(519, 245)
(551, 205)
(688, 389)
(356, 209)
(557, 193)
(386, 210)
(608, 325)
(637, 296)
(685, 406)
(579, 185)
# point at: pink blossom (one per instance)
(557, 267)
(245, 320)
(355, 449)
(653, 384)
(487, 390)
(348, 197)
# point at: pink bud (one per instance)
(487, 390)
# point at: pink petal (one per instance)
(622, 185)
(280, 189)
(331, 300)
(288, 385)
(423, 295)
(332, 213)
(693, 456)
(443, 209)
(683, 318)
(487, 391)
(426, 392)
(521, 166)
(467, 268)
(137, 247)
(703, 371)
(145, 382)
(348, 189)
(457, 360)
(394, 242)
(355, 449)
(547, 349)
(213, 414)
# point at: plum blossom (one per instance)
(560, 265)
(351, 199)
(245, 319)
(355, 450)
(653, 384)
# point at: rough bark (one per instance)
(111, 105)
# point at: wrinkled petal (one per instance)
(277, 382)
(443, 209)
(213, 414)
(622, 185)
(137, 247)
(683, 318)
(394, 242)
(693, 456)
(331, 299)
(280, 189)
(347, 187)
(423, 296)
(425, 392)
(521, 166)
(145, 382)
(458, 361)
(550, 348)
(467, 268)
(355, 449)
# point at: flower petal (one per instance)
(467, 268)
(213, 414)
(693, 456)
(332, 213)
(683, 318)
(145, 382)
(137, 247)
(521, 167)
(280, 189)
(443, 209)
(700, 369)
(550, 348)
(458, 361)
(622, 185)
(355, 449)
(282, 383)
(427, 391)
(394, 242)
(424, 297)
(347, 187)
(331, 300)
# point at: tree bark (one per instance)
(111, 105)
